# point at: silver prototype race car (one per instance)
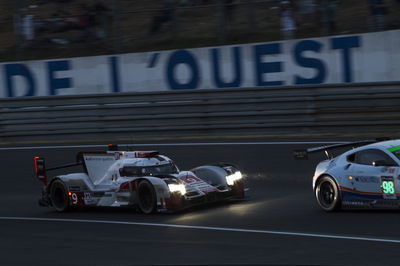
(140, 179)
(366, 176)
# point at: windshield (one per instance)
(154, 170)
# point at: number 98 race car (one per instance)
(367, 176)
(141, 179)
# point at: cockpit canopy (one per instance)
(153, 170)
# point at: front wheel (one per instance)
(238, 190)
(327, 194)
(146, 197)
(58, 196)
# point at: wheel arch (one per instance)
(61, 207)
(215, 173)
(159, 185)
(318, 179)
(52, 181)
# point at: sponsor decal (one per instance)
(367, 179)
(87, 196)
(198, 183)
(99, 158)
(355, 203)
(392, 170)
(74, 188)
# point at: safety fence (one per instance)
(341, 109)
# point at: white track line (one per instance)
(226, 229)
(174, 144)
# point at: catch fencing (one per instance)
(372, 108)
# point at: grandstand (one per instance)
(126, 26)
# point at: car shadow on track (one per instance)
(132, 210)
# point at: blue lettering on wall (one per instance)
(16, 69)
(318, 65)
(58, 83)
(345, 44)
(153, 60)
(269, 67)
(114, 71)
(182, 57)
(237, 69)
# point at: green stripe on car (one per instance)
(392, 149)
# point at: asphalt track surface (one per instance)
(279, 225)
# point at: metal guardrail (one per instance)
(334, 109)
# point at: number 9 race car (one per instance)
(140, 179)
(367, 176)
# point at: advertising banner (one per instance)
(371, 57)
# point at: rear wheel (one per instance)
(59, 196)
(327, 194)
(147, 197)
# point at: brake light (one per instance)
(36, 166)
(40, 169)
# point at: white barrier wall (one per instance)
(370, 57)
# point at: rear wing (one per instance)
(94, 163)
(302, 154)
(41, 170)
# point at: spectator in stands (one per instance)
(288, 23)
(376, 20)
(165, 15)
(328, 10)
(81, 17)
(186, 3)
(396, 8)
(28, 30)
(102, 16)
(85, 20)
(59, 21)
(307, 12)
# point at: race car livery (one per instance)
(367, 176)
(141, 179)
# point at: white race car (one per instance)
(143, 179)
(367, 176)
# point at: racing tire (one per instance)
(147, 200)
(327, 194)
(59, 196)
(238, 190)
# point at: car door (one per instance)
(372, 173)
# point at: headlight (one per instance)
(177, 188)
(231, 179)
